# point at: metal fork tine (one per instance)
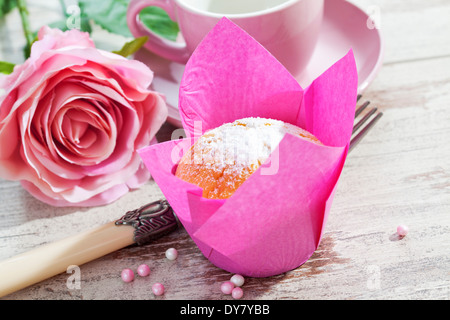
(364, 119)
(357, 137)
(361, 108)
(364, 131)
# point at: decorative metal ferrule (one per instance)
(150, 221)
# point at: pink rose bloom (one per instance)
(71, 119)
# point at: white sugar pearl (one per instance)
(171, 254)
(238, 280)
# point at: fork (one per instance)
(373, 115)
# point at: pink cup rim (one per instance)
(275, 8)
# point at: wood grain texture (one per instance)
(399, 174)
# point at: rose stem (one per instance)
(22, 6)
(63, 8)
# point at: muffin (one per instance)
(222, 159)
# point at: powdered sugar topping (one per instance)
(243, 144)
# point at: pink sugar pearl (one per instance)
(143, 270)
(402, 230)
(237, 293)
(227, 287)
(158, 289)
(127, 275)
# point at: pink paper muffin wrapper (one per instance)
(274, 222)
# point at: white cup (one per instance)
(288, 29)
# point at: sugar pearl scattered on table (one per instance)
(158, 289)
(171, 254)
(143, 270)
(237, 280)
(402, 230)
(127, 275)
(227, 287)
(237, 293)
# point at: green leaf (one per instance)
(6, 67)
(108, 14)
(158, 21)
(111, 16)
(62, 25)
(131, 47)
(6, 6)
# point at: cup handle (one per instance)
(171, 50)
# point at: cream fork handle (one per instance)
(139, 226)
(54, 258)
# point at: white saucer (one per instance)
(345, 27)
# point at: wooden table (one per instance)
(399, 174)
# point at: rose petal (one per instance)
(106, 197)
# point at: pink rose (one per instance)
(71, 119)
